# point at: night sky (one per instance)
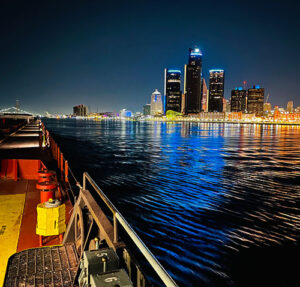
(111, 54)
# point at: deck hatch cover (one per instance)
(54, 266)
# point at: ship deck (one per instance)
(18, 195)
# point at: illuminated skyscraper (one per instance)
(290, 107)
(216, 90)
(156, 103)
(255, 102)
(172, 90)
(238, 100)
(204, 95)
(192, 82)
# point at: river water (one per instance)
(216, 203)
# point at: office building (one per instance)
(224, 105)
(204, 95)
(255, 101)
(238, 100)
(156, 103)
(211, 116)
(124, 113)
(267, 108)
(216, 90)
(147, 110)
(172, 90)
(183, 102)
(228, 106)
(192, 82)
(290, 107)
(80, 111)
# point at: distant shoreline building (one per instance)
(216, 90)
(80, 111)
(124, 113)
(255, 101)
(183, 103)
(267, 108)
(156, 103)
(147, 110)
(204, 96)
(172, 90)
(238, 100)
(290, 107)
(192, 82)
(228, 106)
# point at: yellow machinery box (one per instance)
(50, 221)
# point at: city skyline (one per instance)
(55, 57)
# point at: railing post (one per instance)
(62, 165)
(66, 171)
(115, 229)
(58, 157)
(61, 162)
(84, 182)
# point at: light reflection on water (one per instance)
(197, 194)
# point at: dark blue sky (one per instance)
(112, 55)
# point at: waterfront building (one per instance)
(224, 105)
(124, 113)
(228, 106)
(234, 116)
(172, 90)
(211, 116)
(147, 110)
(204, 95)
(238, 100)
(286, 117)
(156, 103)
(267, 108)
(255, 102)
(192, 82)
(290, 107)
(216, 90)
(108, 114)
(248, 117)
(183, 103)
(80, 111)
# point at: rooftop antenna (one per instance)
(267, 97)
(17, 105)
(245, 83)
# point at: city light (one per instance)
(174, 71)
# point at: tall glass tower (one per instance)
(172, 90)
(216, 90)
(192, 82)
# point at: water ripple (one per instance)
(199, 195)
